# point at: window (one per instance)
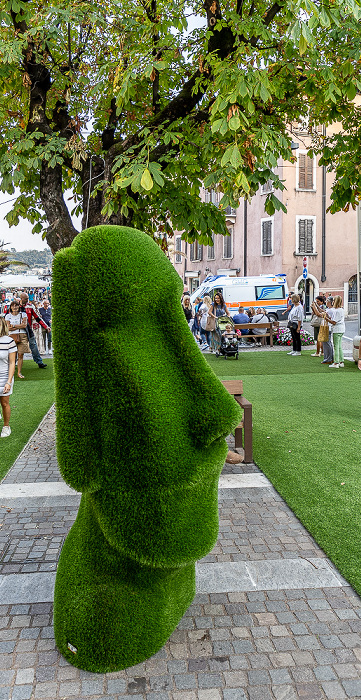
(227, 244)
(195, 251)
(211, 254)
(277, 292)
(306, 235)
(178, 249)
(306, 172)
(267, 187)
(212, 196)
(267, 237)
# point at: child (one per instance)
(230, 336)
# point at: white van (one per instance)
(268, 291)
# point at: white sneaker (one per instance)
(6, 431)
(295, 353)
(205, 346)
(334, 364)
(315, 354)
(341, 364)
(290, 353)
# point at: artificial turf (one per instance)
(31, 399)
(307, 440)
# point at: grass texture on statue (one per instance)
(141, 426)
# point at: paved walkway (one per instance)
(272, 619)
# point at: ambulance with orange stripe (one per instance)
(268, 291)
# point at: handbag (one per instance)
(315, 321)
(292, 324)
(324, 332)
(211, 323)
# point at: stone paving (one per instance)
(272, 619)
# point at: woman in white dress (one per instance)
(16, 327)
(7, 371)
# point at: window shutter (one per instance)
(200, 252)
(302, 236)
(211, 251)
(305, 236)
(309, 236)
(191, 251)
(302, 171)
(178, 247)
(267, 187)
(309, 174)
(266, 237)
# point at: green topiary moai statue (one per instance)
(141, 426)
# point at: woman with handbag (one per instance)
(318, 309)
(338, 323)
(327, 339)
(295, 319)
(217, 309)
(16, 323)
(7, 370)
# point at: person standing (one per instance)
(338, 323)
(203, 312)
(16, 321)
(7, 371)
(318, 309)
(31, 314)
(295, 319)
(217, 310)
(45, 313)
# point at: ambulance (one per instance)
(268, 291)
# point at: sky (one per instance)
(18, 237)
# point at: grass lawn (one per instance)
(31, 399)
(307, 440)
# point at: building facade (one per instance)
(260, 244)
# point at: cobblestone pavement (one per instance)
(270, 643)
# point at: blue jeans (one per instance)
(34, 351)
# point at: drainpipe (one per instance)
(323, 271)
(244, 238)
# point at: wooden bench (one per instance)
(270, 327)
(243, 432)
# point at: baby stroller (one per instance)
(229, 346)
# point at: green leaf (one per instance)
(234, 123)
(146, 180)
(351, 92)
(302, 45)
(236, 158)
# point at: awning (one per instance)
(22, 282)
(191, 273)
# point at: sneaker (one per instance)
(295, 353)
(205, 346)
(316, 354)
(334, 364)
(341, 364)
(42, 365)
(6, 431)
(290, 352)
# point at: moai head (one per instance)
(141, 417)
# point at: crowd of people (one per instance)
(25, 326)
(203, 315)
(327, 312)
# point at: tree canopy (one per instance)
(120, 110)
